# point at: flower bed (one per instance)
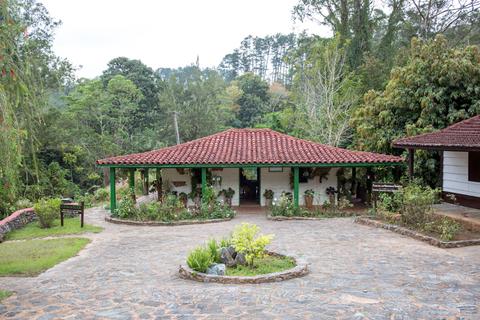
(241, 259)
(299, 270)
(410, 212)
(370, 221)
(171, 211)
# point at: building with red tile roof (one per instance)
(272, 156)
(459, 147)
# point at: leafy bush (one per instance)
(101, 195)
(126, 208)
(391, 202)
(47, 210)
(445, 227)
(199, 259)
(286, 208)
(23, 203)
(225, 242)
(246, 240)
(214, 248)
(417, 204)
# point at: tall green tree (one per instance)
(438, 86)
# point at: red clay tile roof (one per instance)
(464, 135)
(249, 146)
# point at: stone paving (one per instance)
(357, 272)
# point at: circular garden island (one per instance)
(241, 258)
(172, 210)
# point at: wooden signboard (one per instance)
(385, 187)
(72, 208)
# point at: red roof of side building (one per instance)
(464, 135)
(249, 146)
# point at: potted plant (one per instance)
(195, 196)
(184, 198)
(330, 191)
(268, 194)
(229, 195)
(309, 198)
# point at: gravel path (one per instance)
(357, 272)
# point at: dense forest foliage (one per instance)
(392, 69)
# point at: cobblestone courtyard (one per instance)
(357, 272)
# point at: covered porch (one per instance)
(247, 163)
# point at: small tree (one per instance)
(246, 240)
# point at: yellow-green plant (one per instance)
(246, 240)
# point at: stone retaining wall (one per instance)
(416, 235)
(161, 223)
(299, 270)
(282, 218)
(16, 220)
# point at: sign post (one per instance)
(72, 208)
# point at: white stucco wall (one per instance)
(170, 175)
(455, 174)
(276, 181)
(280, 181)
(230, 179)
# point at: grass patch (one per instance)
(29, 258)
(268, 264)
(5, 294)
(33, 230)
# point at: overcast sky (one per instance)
(164, 33)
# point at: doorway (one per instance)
(249, 186)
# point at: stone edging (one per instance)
(16, 220)
(299, 270)
(416, 235)
(160, 223)
(283, 218)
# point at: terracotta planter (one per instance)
(309, 202)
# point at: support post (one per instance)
(411, 161)
(113, 195)
(131, 183)
(353, 188)
(204, 181)
(147, 182)
(296, 181)
(158, 184)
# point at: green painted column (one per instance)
(296, 181)
(113, 193)
(204, 180)
(131, 182)
(147, 182)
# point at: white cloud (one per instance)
(164, 33)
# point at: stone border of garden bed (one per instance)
(416, 235)
(16, 220)
(283, 218)
(161, 223)
(300, 270)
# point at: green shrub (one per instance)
(246, 240)
(285, 207)
(225, 242)
(47, 210)
(199, 259)
(126, 208)
(417, 204)
(214, 248)
(101, 195)
(445, 227)
(23, 203)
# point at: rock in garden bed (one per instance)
(370, 221)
